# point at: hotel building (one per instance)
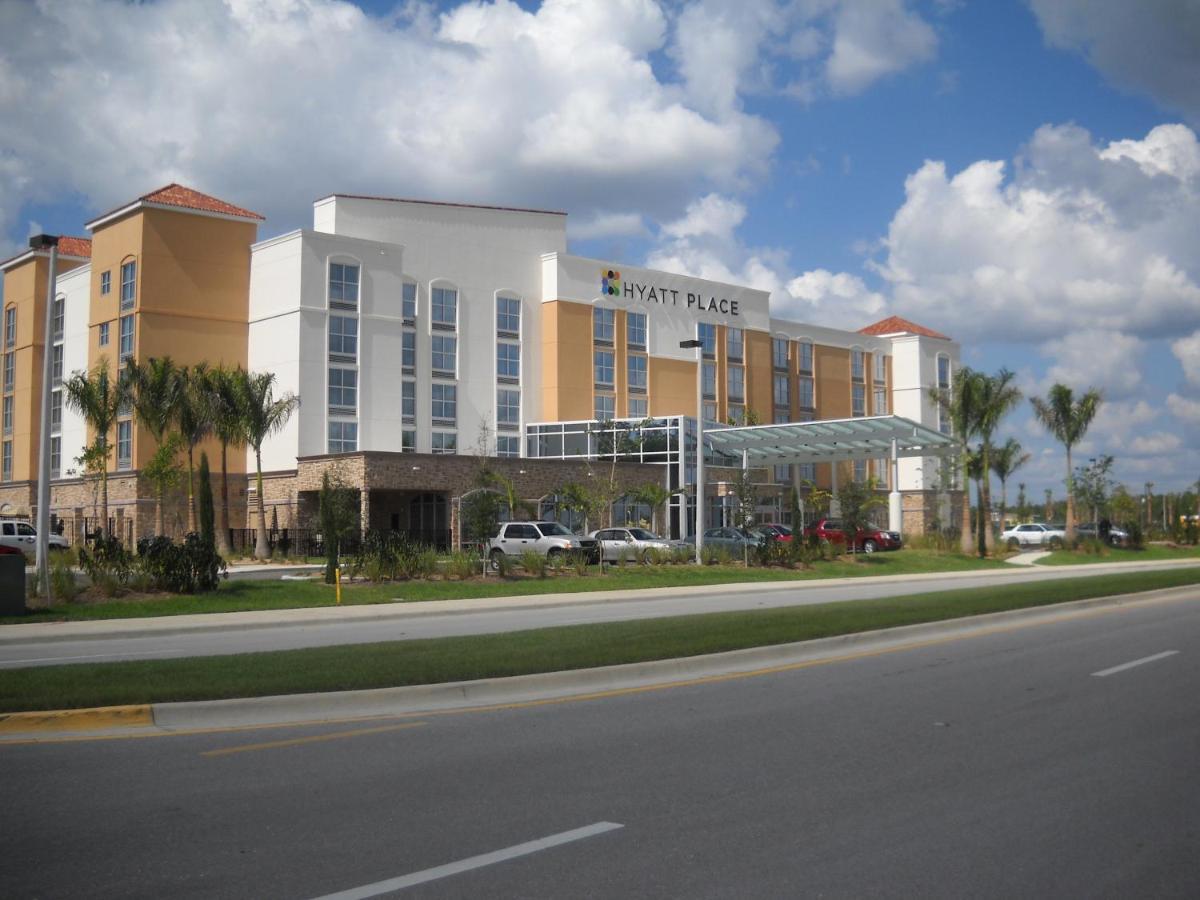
(436, 330)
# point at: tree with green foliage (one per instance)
(857, 499)
(229, 428)
(193, 419)
(156, 386)
(997, 395)
(654, 496)
(480, 507)
(263, 414)
(1005, 461)
(1092, 484)
(962, 403)
(207, 525)
(1022, 503)
(164, 471)
(337, 512)
(1068, 420)
(99, 398)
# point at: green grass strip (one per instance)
(398, 663)
(1119, 554)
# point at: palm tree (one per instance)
(961, 404)
(997, 396)
(230, 430)
(654, 496)
(262, 416)
(193, 418)
(156, 385)
(1005, 461)
(1068, 420)
(99, 399)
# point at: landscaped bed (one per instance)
(416, 662)
(1102, 554)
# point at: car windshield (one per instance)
(553, 529)
(643, 535)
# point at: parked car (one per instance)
(775, 530)
(619, 544)
(1034, 534)
(867, 540)
(21, 535)
(732, 539)
(1116, 536)
(550, 539)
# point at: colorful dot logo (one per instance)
(610, 282)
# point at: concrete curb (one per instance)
(299, 709)
(37, 632)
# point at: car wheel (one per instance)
(869, 546)
(494, 559)
(554, 555)
(1056, 543)
(1014, 544)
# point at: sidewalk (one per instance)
(400, 609)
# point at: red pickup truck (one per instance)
(868, 540)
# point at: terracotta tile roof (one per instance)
(185, 197)
(548, 212)
(897, 325)
(75, 246)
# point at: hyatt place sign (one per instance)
(611, 285)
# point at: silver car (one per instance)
(620, 544)
(1034, 534)
(735, 539)
(23, 536)
(550, 539)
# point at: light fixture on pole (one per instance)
(42, 578)
(698, 346)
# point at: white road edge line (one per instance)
(1137, 662)
(474, 862)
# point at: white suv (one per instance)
(23, 536)
(550, 539)
(1034, 534)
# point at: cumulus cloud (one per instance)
(1184, 409)
(828, 298)
(1187, 351)
(1155, 444)
(875, 38)
(1152, 46)
(1106, 360)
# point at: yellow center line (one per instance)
(312, 739)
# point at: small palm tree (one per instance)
(156, 386)
(193, 418)
(99, 398)
(997, 397)
(262, 416)
(1005, 461)
(230, 430)
(654, 496)
(961, 404)
(1068, 420)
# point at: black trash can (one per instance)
(12, 584)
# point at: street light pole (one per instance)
(42, 242)
(699, 347)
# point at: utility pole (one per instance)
(1149, 504)
(43, 242)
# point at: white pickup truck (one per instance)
(1034, 534)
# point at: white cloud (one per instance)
(1107, 360)
(605, 224)
(828, 298)
(876, 38)
(1152, 46)
(1187, 351)
(1184, 409)
(1155, 444)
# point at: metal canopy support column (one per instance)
(835, 505)
(895, 517)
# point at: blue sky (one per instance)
(1024, 176)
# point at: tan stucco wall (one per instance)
(672, 386)
(759, 372)
(566, 360)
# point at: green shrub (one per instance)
(1093, 547)
(772, 552)
(680, 556)
(534, 563)
(578, 562)
(188, 568)
(460, 565)
(656, 556)
(63, 585)
(716, 556)
(1137, 537)
(108, 564)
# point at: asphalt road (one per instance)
(1056, 760)
(396, 623)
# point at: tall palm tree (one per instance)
(997, 397)
(1068, 420)
(230, 430)
(1005, 461)
(262, 416)
(99, 398)
(156, 386)
(193, 418)
(961, 404)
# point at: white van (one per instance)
(20, 534)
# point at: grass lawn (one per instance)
(239, 595)
(1119, 554)
(521, 653)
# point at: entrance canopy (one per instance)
(828, 441)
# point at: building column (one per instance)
(895, 517)
(364, 510)
(835, 506)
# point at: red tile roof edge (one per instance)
(545, 212)
(897, 325)
(178, 195)
(80, 247)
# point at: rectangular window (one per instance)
(508, 361)
(708, 379)
(708, 338)
(445, 442)
(858, 400)
(343, 388)
(860, 470)
(445, 308)
(710, 412)
(783, 474)
(635, 329)
(445, 402)
(445, 354)
(637, 373)
(880, 367)
(737, 414)
(105, 283)
(56, 457)
(602, 365)
(10, 372)
(103, 331)
(737, 383)
(60, 312)
(126, 346)
(56, 364)
(508, 315)
(779, 352)
(56, 400)
(508, 445)
(408, 301)
(807, 471)
(880, 402)
(508, 408)
(408, 441)
(6, 462)
(408, 352)
(735, 343)
(10, 327)
(857, 370)
(8, 415)
(606, 407)
(638, 408)
(943, 420)
(807, 398)
(343, 336)
(806, 356)
(343, 437)
(408, 401)
(781, 390)
(128, 284)
(943, 372)
(603, 325)
(124, 444)
(343, 285)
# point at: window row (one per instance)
(605, 407)
(604, 327)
